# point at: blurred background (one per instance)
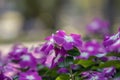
(33, 20)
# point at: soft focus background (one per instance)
(30, 21)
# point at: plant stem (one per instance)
(71, 74)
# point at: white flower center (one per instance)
(25, 57)
(94, 25)
(94, 78)
(84, 54)
(68, 38)
(30, 77)
(90, 48)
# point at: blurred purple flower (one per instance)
(11, 69)
(29, 76)
(109, 72)
(27, 60)
(112, 43)
(83, 55)
(93, 75)
(94, 47)
(17, 51)
(62, 70)
(48, 45)
(91, 48)
(68, 42)
(3, 77)
(98, 26)
(53, 58)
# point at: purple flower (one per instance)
(53, 58)
(50, 54)
(3, 77)
(112, 43)
(68, 42)
(11, 69)
(94, 47)
(47, 46)
(74, 66)
(62, 70)
(16, 52)
(93, 75)
(116, 46)
(27, 60)
(109, 72)
(83, 55)
(98, 26)
(91, 48)
(113, 58)
(29, 76)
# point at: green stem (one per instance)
(71, 74)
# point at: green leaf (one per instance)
(84, 63)
(78, 78)
(114, 63)
(63, 77)
(113, 54)
(48, 72)
(67, 62)
(117, 74)
(73, 52)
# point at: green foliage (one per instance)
(84, 63)
(117, 74)
(74, 52)
(113, 54)
(114, 63)
(67, 62)
(63, 77)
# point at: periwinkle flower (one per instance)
(48, 45)
(98, 26)
(92, 48)
(93, 75)
(3, 77)
(112, 43)
(27, 60)
(53, 58)
(68, 42)
(11, 69)
(109, 72)
(17, 51)
(84, 55)
(29, 76)
(62, 70)
(113, 58)
(116, 46)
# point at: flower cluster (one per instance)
(65, 57)
(54, 50)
